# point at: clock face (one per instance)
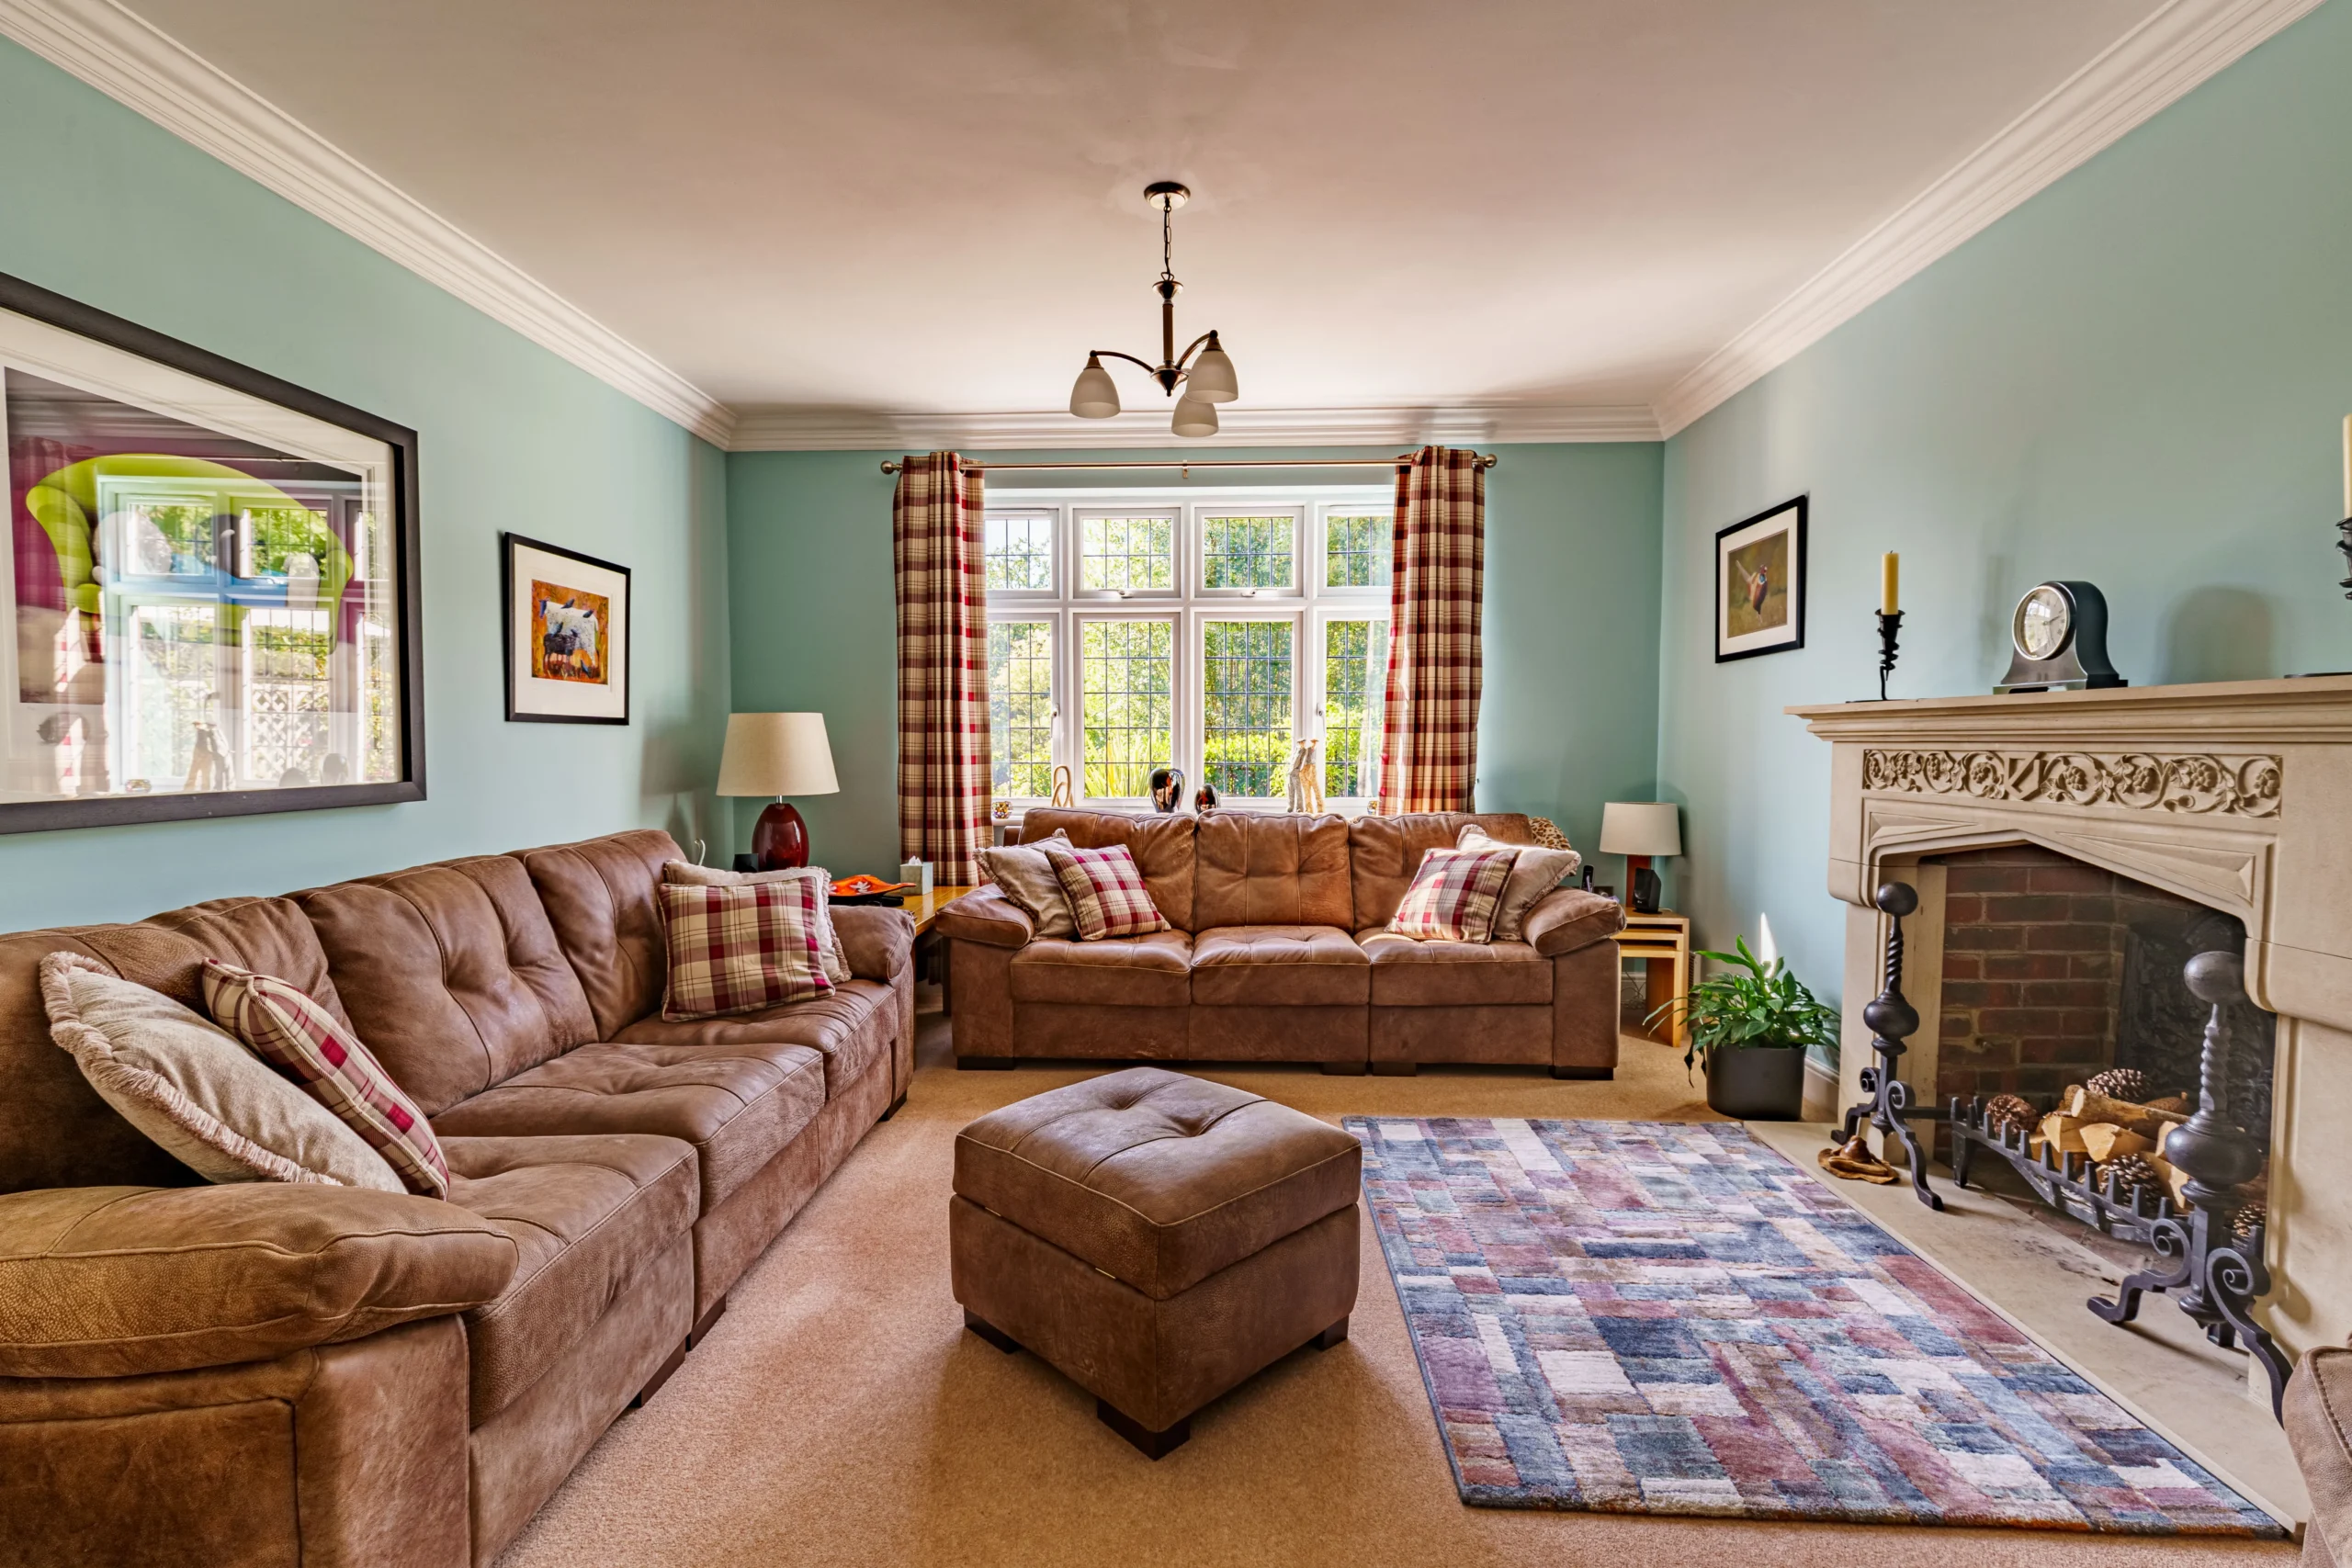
(2044, 619)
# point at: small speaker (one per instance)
(1646, 891)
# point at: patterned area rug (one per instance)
(1650, 1317)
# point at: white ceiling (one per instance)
(905, 206)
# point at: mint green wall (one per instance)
(1570, 715)
(2137, 378)
(108, 208)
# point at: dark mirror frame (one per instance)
(47, 816)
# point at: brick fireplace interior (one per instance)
(2054, 969)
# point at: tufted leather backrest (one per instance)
(1162, 843)
(1258, 869)
(1385, 851)
(54, 1130)
(451, 975)
(600, 897)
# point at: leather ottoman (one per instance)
(1158, 1238)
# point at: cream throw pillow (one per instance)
(195, 1088)
(831, 959)
(1023, 874)
(1535, 873)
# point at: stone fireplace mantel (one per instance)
(2237, 796)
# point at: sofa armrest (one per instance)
(875, 938)
(1568, 918)
(986, 916)
(117, 1281)
(2317, 1414)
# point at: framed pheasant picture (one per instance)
(1760, 584)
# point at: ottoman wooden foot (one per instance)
(1151, 1445)
(1335, 1335)
(991, 1333)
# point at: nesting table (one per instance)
(1663, 943)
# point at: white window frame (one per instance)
(1306, 605)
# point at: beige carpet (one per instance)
(841, 1414)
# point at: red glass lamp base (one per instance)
(780, 839)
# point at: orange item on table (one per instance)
(862, 886)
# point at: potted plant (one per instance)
(1751, 1025)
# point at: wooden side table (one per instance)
(925, 909)
(1662, 940)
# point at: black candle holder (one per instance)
(2217, 1277)
(1889, 625)
(2345, 545)
(1891, 1021)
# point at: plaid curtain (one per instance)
(937, 539)
(1428, 753)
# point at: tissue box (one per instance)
(919, 872)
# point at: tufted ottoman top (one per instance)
(1156, 1179)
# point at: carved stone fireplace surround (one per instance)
(2235, 794)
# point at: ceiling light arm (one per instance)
(1148, 367)
(1208, 337)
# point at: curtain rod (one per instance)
(1486, 460)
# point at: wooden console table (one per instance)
(1662, 940)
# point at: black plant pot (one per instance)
(1758, 1083)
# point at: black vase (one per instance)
(1756, 1083)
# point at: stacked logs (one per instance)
(2113, 1123)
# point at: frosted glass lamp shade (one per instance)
(1095, 396)
(776, 754)
(1641, 828)
(1195, 417)
(1211, 378)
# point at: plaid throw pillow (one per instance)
(1455, 896)
(739, 949)
(1107, 897)
(293, 1033)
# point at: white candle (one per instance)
(1889, 563)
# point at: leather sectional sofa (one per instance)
(292, 1374)
(1279, 953)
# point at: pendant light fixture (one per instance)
(1204, 369)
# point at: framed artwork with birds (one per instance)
(1760, 584)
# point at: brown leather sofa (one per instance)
(293, 1374)
(1279, 953)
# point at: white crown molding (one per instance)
(821, 430)
(2151, 67)
(132, 62)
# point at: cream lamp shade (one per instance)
(776, 754)
(1641, 828)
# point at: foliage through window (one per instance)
(1021, 708)
(1356, 551)
(1020, 551)
(1083, 676)
(1355, 669)
(1126, 676)
(1246, 552)
(1128, 555)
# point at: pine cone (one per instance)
(2132, 1172)
(2250, 1218)
(2005, 1111)
(2120, 1083)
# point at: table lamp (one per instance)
(1638, 830)
(777, 754)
